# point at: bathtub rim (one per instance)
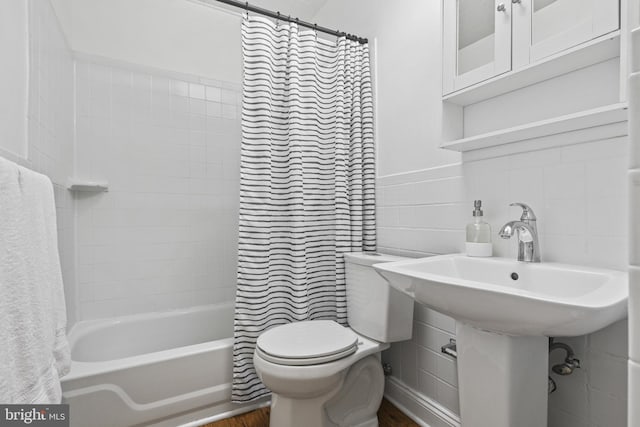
(84, 327)
(81, 369)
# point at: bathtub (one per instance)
(161, 369)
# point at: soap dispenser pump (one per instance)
(478, 234)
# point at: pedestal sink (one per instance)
(505, 310)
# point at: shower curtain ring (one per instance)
(246, 7)
(278, 20)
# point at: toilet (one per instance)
(322, 374)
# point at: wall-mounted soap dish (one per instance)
(74, 184)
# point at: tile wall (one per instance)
(51, 128)
(165, 234)
(579, 194)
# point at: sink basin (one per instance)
(515, 298)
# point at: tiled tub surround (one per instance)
(165, 234)
(579, 194)
(50, 127)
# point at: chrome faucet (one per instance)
(527, 230)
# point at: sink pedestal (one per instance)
(502, 379)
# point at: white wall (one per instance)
(42, 121)
(14, 73)
(165, 235)
(408, 77)
(425, 195)
(173, 35)
(51, 128)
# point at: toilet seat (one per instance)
(306, 343)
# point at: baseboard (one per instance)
(424, 411)
(203, 416)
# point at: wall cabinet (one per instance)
(483, 39)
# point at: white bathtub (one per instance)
(161, 369)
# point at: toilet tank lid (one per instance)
(370, 258)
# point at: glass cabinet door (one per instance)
(477, 37)
(556, 25)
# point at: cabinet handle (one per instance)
(516, 1)
(501, 7)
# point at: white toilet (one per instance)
(322, 374)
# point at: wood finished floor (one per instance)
(388, 416)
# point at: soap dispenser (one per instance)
(478, 234)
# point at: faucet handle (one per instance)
(527, 212)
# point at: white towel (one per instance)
(34, 351)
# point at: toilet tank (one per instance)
(374, 308)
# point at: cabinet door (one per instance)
(545, 27)
(477, 41)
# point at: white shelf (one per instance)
(566, 129)
(74, 184)
(595, 51)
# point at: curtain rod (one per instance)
(277, 15)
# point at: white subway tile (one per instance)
(180, 104)
(229, 97)
(430, 337)
(607, 177)
(198, 106)
(607, 216)
(427, 384)
(607, 252)
(607, 410)
(161, 86)
(229, 112)
(563, 248)
(142, 83)
(434, 318)
(196, 91)
(611, 340)
(179, 88)
(565, 180)
(634, 315)
(634, 217)
(634, 394)
(526, 184)
(634, 125)
(427, 360)
(408, 359)
(559, 216)
(448, 396)
(559, 418)
(448, 370)
(608, 374)
(213, 94)
(598, 150)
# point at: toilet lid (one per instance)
(307, 343)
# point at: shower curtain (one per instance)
(307, 184)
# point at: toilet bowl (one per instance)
(322, 374)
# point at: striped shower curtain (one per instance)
(307, 186)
